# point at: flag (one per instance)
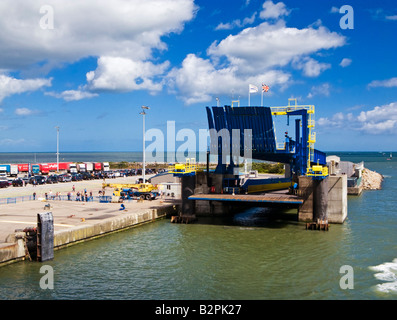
(252, 88)
(265, 88)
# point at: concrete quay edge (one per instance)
(14, 249)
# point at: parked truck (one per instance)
(89, 166)
(105, 166)
(14, 170)
(36, 169)
(44, 168)
(81, 167)
(5, 168)
(72, 168)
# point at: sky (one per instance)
(88, 67)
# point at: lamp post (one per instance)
(143, 113)
(57, 148)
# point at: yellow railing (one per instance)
(291, 107)
(189, 167)
(276, 111)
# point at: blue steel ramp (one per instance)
(260, 122)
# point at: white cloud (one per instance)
(311, 67)
(334, 10)
(198, 80)
(123, 74)
(336, 121)
(273, 11)
(323, 89)
(10, 85)
(345, 62)
(24, 112)
(273, 45)
(121, 34)
(87, 28)
(107, 29)
(254, 55)
(379, 113)
(379, 120)
(391, 17)
(379, 127)
(236, 23)
(389, 83)
(72, 95)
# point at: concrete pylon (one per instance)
(188, 184)
(320, 199)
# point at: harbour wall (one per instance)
(15, 248)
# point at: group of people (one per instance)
(79, 196)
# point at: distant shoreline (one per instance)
(54, 152)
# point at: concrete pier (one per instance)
(335, 199)
(74, 222)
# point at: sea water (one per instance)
(253, 255)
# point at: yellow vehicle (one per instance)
(147, 190)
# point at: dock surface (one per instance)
(74, 221)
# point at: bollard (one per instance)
(45, 236)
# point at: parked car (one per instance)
(98, 175)
(4, 184)
(52, 179)
(86, 176)
(64, 178)
(18, 182)
(76, 177)
(38, 179)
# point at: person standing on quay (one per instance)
(34, 195)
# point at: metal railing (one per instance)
(101, 199)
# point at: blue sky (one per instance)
(88, 67)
